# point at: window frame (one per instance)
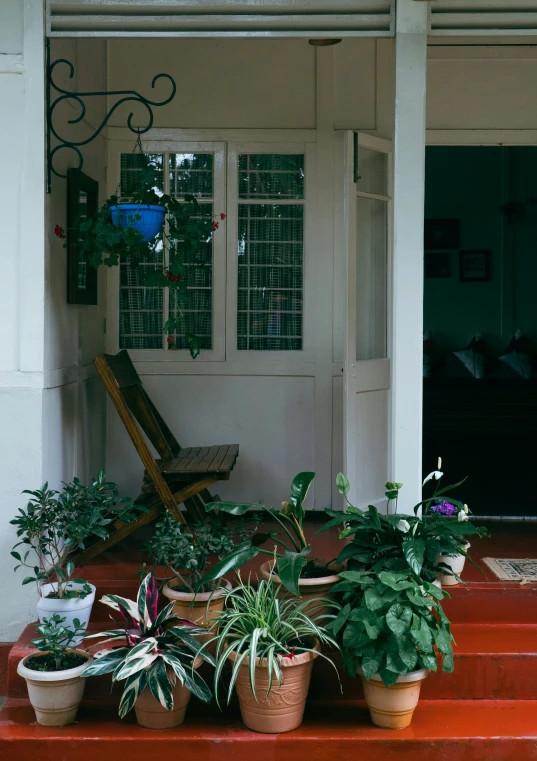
(307, 353)
(217, 353)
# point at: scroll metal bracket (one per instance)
(77, 99)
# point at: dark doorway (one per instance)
(480, 323)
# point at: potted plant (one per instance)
(186, 554)
(271, 644)
(157, 657)
(296, 569)
(132, 228)
(392, 636)
(54, 675)
(53, 526)
(397, 541)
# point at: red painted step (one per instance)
(447, 730)
(492, 661)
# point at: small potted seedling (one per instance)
(54, 674)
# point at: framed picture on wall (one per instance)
(441, 233)
(437, 263)
(82, 203)
(474, 266)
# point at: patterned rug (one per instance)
(513, 569)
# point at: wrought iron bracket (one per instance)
(77, 99)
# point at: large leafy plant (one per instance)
(292, 553)
(54, 641)
(396, 541)
(186, 551)
(53, 525)
(387, 625)
(156, 649)
(256, 624)
(187, 228)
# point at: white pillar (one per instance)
(409, 181)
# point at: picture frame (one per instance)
(441, 234)
(474, 266)
(82, 203)
(437, 264)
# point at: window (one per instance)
(143, 311)
(270, 252)
(266, 229)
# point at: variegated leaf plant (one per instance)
(156, 649)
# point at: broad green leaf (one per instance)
(370, 667)
(397, 581)
(290, 566)
(341, 619)
(429, 661)
(448, 664)
(408, 653)
(343, 484)
(398, 619)
(378, 596)
(443, 640)
(232, 508)
(240, 555)
(299, 491)
(422, 636)
(388, 677)
(414, 551)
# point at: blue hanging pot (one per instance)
(151, 218)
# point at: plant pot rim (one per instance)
(329, 579)
(54, 601)
(152, 206)
(286, 661)
(172, 594)
(52, 676)
(413, 676)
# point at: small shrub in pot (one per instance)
(54, 676)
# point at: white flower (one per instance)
(465, 508)
(403, 526)
(439, 465)
(436, 474)
(461, 517)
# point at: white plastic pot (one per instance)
(456, 563)
(55, 695)
(69, 609)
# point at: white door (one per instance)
(367, 364)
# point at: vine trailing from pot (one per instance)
(150, 227)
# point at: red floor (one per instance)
(486, 710)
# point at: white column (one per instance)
(409, 180)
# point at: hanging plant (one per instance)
(142, 229)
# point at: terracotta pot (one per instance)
(283, 708)
(54, 695)
(203, 609)
(456, 563)
(152, 715)
(310, 589)
(393, 707)
(66, 608)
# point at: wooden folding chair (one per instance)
(179, 475)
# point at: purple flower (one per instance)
(444, 508)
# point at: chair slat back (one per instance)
(140, 405)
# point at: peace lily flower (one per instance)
(465, 508)
(436, 474)
(439, 465)
(461, 517)
(403, 526)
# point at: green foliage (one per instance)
(185, 230)
(55, 524)
(390, 624)
(295, 550)
(186, 551)
(397, 541)
(55, 638)
(256, 624)
(160, 648)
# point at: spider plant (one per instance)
(156, 649)
(257, 624)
